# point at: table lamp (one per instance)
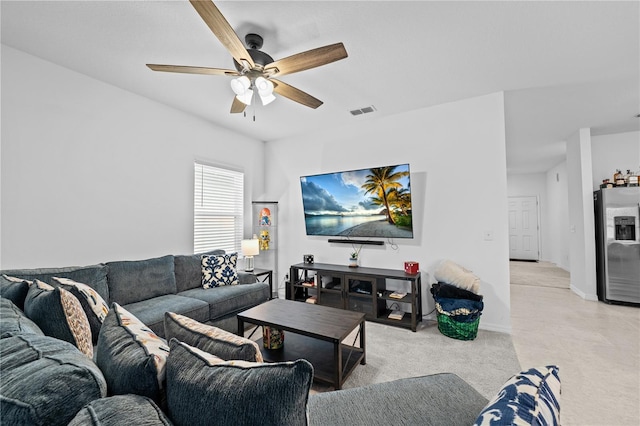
(249, 249)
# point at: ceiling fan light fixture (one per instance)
(246, 97)
(266, 100)
(264, 86)
(265, 90)
(240, 85)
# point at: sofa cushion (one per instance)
(230, 299)
(95, 276)
(13, 321)
(120, 410)
(531, 397)
(133, 281)
(219, 270)
(14, 289)
(237, 392)
(45, 381)
(151, 312)
(210, 339)
(434, 400)
(92, 303)
(59, 314)
(188, 269)
(130, 355)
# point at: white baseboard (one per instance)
(585, 296)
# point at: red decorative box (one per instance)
(411, 267)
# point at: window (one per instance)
(218, 209)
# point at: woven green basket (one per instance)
(458, 330)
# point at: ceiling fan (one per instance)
(255, 69)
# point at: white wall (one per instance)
(92, 173)
(556, 231)
(529, 185)
(609, 153)
(581, 219)
(458, 175)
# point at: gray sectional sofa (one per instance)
(48, 381)
(149, 288)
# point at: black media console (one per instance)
(359, 289)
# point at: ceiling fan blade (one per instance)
(221, 28)
(306, 60)
(237, 106)
(297, 95)
(192, 70)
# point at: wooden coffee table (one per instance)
(312, 332)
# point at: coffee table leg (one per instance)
(240, 327)
(362, 344)
(337, 356)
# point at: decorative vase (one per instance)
(353, 262)
(272, 338)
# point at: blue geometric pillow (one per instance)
(218, 270)
(529, 398)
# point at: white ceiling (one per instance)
(562, 65)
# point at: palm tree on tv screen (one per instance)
(382, 182)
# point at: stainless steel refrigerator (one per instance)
(617, 223)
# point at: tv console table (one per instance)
(358, 289)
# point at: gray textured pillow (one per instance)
(45, 381)
(92, 303)
(131, 356)
(121, 410)
(59, 314)
(210, 339)
(13, 321)
(137, 280)
(234, 392)
(92, 275)
(14, 289)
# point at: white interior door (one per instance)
(523, 228)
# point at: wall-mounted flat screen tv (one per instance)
(372, 202)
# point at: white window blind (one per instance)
(218, 209)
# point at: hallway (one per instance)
(595, 345)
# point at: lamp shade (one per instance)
(250, 247)
(264, 86)
(240, 85)
(265, 90)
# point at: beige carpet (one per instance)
(541, 274)
(393, 353)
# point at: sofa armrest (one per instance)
(246, 278)
(438, 399)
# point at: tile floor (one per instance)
(595, 345)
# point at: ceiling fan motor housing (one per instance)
(254, 42)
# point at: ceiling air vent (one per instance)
(364, 110)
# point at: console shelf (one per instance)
(357, 289)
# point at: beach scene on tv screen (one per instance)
(372, 202)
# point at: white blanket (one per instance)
(451, 273)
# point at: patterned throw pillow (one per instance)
(276, 392)
(131, 356)
(218, 270)
(210, 339)
(93, 304)
(14, 289)
(531, 397)
(59, 314)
